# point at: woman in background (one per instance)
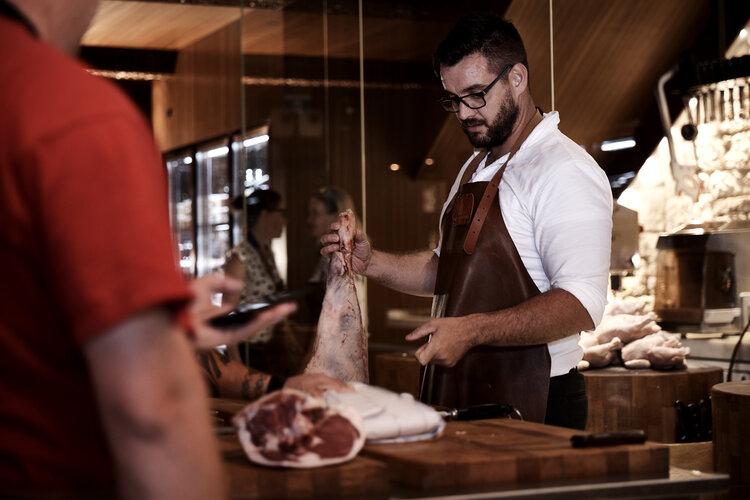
(252, 260)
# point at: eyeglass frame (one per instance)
(482, 93)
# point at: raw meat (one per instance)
(626, 327)
(597, 355)
(290, 428)
(658, 350)
(627, 305)
(340, 348)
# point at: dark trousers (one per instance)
(567, 404)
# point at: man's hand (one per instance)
(361, 250)
(451, 339)
(202, 309)
(316, 384)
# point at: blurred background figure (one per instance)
(252, 260)
(323, 209)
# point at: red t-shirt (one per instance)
(84, 243)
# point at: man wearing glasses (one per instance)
(523, 259)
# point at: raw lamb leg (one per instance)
(341, 345)
(597, 355)
(290, 428)
(658, 350)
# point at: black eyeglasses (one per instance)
(475, 100)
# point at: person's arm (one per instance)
(154, 409)
(231, 378)
(551, 316)
(234, 268)
(412, 273)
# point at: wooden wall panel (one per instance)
(202, 99)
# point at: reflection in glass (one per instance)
(213, 207)
(181, 191)
(250, 168)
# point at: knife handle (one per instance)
(636, 436)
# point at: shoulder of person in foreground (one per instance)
(46, 92)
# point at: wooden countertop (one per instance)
(506, 457)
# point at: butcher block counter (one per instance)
(507, 458)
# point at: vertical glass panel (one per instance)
(181, 170)
(213, 215)
(301, 82)
(180, 63)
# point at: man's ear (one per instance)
(518, 79)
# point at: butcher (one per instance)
(523, 259)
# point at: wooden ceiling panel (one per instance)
(155, 25)
(608, 57)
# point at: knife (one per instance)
(480, 412)
(636, 436)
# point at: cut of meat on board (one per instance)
(340, 348)
(290, 428)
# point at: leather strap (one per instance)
(485, 203)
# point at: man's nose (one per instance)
(464, 111)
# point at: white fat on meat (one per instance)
(290, 428)
(340, 348)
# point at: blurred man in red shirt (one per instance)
(99, 389)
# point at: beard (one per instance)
(498, 131)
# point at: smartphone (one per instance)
(246, 311)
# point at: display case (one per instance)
(181, 174)
(213, 215)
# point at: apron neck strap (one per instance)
(472, 236)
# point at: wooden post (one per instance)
(731, 418)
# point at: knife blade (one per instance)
(481, 412)
(636, 436)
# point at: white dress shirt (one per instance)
(557, 205)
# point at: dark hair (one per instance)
(258, 201)
(335, 199)
(488, 34)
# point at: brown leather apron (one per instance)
(480, 270)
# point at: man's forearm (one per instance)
(412, 273)
(551, 316)
(154, 409)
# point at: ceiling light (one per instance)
(429, 161)
(618, 144)
(187, 160)
(213, 153)
(254, 141)
(395, 167)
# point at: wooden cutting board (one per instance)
(360, 478)
(511, 452)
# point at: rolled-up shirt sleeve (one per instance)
(573, 232)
